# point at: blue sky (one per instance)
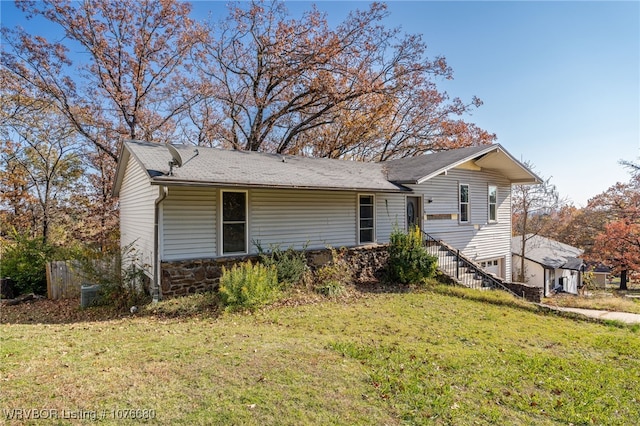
(560, 81)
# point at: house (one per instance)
(600, 274)
(548, 264)
(186, 209)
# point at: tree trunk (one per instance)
(523, 248)
(45, 227)
(623, 280)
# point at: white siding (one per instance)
(189, 223)
(572, 278)
(390, 213)
(297, 217)
(533, 272)
(329, 218)
(536, 275)
(478, 239)
(137, 201)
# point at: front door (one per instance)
(413, 212)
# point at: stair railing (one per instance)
(459, 267)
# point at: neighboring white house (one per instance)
(548, 264)
(207, 203)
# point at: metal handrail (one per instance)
(461, 268)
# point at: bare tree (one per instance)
(633, 167)
(130, 81)
(41, 159)
(532, 205)
(298, 86)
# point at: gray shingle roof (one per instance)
(548, 252)
(218, 167)
(242, 168)
(411, 170)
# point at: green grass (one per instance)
(389, 358)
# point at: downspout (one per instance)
(155, 292)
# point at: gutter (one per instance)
(401, 189)
(155, 291)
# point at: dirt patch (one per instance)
(66, 311)
(55, 312)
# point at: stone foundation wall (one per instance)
(368, 263)
(180, 278)
(529, 292)
(194, 276)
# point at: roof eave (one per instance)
(568, 268)
(547, 265)
(534, 181)
(123, 159)
(543, 264)
(184, 182)
(489, 148)
(533, 178)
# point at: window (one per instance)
(493, 203)
(464, 202)
(365, 219)
(234, 222)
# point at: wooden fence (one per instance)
(64, 279)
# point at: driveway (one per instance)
(603, 315)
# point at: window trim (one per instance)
(221, 251)
(489, 203)
(359, 218)
(467, 203)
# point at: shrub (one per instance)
(118, 271)
(290, 264)
(332, 278)
(248, 286)
(25, 262)
(409, 261)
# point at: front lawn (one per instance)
(389, 358)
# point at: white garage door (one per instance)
(493, 266)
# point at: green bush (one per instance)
(118, 271)
(248, 286)
(290, 264)
(332, 278)
(409, 261)
(25, 262)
